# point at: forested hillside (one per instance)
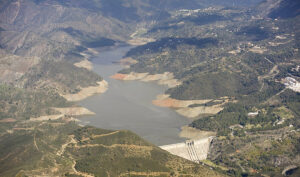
(248, 56)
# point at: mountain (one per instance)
(235, 63)
(45, 47)
(286, 9)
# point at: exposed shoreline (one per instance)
(87, 92)
(194, 134)
(74, 111)
(84, 93)
(166, 78)
(191, 108)
(182, 107)
(63, 112)
(140, 41)
(84, 64)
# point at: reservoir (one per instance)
(127, 105)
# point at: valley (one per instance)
(128, 105)
(93, 88)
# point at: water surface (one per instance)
(127, 104)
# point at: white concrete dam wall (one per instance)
(193, 150)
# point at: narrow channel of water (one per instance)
(127, 105)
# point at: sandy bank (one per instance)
(84, 64)
(74, 111)
(71, 111)
(128, 61)
(201, 110)
(185, 108)
(193, 133)
(88, 91)
(8, 120)
(166, 78)
(89, 52)
(140, 41)
(165, 101)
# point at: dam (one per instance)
(193, 150)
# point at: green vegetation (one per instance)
(22, 104)
(63, 76)
(214, 85)
(54, 147)
(246, 63)
(107, 153)
(102, 42)
(216, 52)
(236, 114)
(27, 149)
(266, 153)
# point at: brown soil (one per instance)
(118, 76)
(84, 64)
(183, 106)
(8, 120)
(74, 111)
(166, 78)
(193, 133)
(166, 101)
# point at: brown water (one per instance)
(127, 105)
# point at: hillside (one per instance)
(62, 148)
(237, 63)
(232, 67)
(45, 47)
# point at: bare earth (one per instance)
(257, 49)
(13, 67)
(165, 101)
(49, 117)
(8, 120)
(88, 91)
(140, 41)
(84, 64)
(182, 106)
(201, 110)
(193, 133)
(291, 83)
(128, 61)
(166, 78)
(74, 111)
